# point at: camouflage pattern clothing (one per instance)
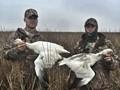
(27, 56)
(84, 46)
(27, 36)
(102, 68)
(31, 12)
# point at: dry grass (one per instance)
(17, 76)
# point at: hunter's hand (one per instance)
(21, 46)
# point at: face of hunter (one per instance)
(90, 28)
(31, 22)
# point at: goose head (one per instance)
(19, 43)
(106, 52)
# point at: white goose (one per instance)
(81, 64)
(48, 52)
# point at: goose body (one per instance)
(48, 52)
(81, 64)
(40, 46)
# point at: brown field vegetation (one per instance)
(12, 73)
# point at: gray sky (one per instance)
(62, 15)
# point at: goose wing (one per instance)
(86, 73)
(41, 74)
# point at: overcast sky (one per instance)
(62, 15)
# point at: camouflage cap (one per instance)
(91, 21)
(30, 12)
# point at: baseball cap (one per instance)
(31, 12)
(91, 21)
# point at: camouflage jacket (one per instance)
(83, 46)
(104, 78)
(13, 54)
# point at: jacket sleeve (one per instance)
(10, 52)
